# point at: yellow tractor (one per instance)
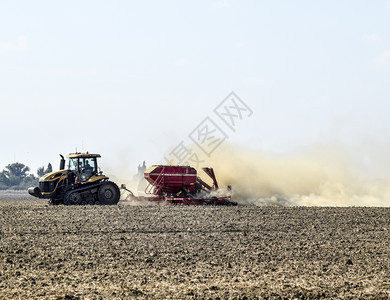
(81, 183)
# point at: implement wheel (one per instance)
(108, 194)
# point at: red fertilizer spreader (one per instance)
(180, 185)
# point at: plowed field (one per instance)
(124, 251)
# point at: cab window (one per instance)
(73, 164)
(89, 164)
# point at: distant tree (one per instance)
(15, 173)
(27, 182)
(4, 182)
(16, 176)
(42, 171)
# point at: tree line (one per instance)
(16, 176)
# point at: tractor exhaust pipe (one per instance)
(62, 162)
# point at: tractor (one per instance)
(81, 183)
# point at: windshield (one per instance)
(73, 164)
(86, 163)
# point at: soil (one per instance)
(123, 251)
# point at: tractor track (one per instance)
(86, 195)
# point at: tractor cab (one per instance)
(84, 165)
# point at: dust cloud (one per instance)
(318, 176)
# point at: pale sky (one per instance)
(132, 79)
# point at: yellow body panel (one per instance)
(51, 176)
(95, 178)
(61, 175)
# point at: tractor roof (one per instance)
(82, 155)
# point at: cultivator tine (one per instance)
(130, 195)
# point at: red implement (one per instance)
(181, 185)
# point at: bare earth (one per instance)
(123, 251)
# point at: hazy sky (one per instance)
(132, 79)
